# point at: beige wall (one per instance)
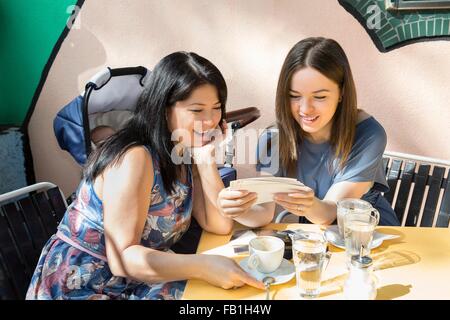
(407, 89)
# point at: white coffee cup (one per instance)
(266, 253)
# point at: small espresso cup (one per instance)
(266, 253)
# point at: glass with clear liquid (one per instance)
(353, 206)
(358, 233)
(309, 250)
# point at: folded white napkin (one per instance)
(228, 249)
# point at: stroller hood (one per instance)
(109, 91)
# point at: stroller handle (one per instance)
(242, 117)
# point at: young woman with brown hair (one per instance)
(322, 138)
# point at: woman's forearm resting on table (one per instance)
(151, 266)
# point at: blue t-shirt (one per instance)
(316, 166)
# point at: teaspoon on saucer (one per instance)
(267, 282)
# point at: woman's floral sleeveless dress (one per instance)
(73, 263)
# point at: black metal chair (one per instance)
(419, 190)
(28, 217)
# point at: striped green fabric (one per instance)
(398, 28)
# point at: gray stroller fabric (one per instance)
(115, 93)
(110, 98)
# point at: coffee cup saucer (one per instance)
(284, 273)
(332, 235)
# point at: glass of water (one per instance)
(309, 250)
(351, 206)
(358, 233)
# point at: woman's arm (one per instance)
(304, 203)
(207, 185)
(339, 191)
(215, 206)
(259, 215)
(125, 194)
(239, 205)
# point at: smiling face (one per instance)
(195, 119)
(314, 99)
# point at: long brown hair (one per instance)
(327, 57)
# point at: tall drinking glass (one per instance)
(309, 250)
(350, 206)
(358, 233)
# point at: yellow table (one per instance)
(414, 266)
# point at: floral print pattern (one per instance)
(73, 263)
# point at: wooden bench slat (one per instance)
(443, 219)
(7, 291)
(21, 236)
(57, 202)
(403, 192)
(433, 197)
(385, 165)
(420, 181)
(34, 224)
(9, 256)
(45, 211)
(392, 179)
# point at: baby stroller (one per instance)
(106, 105)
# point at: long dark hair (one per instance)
(327, 57)
(173, 79)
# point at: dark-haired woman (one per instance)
(321, 138)
(136, 198)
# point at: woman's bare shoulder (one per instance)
(134, 164)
